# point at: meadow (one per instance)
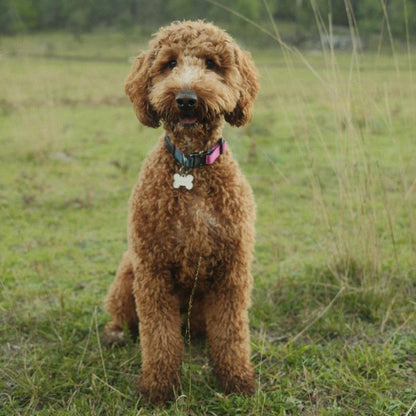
(331, 156)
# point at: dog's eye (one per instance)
(172, 63)
(210, 64)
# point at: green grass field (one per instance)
(331, 156)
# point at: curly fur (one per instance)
(171, 231)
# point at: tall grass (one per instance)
(364, 206)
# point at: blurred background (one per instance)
(299, 16)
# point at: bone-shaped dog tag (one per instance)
(183, 180)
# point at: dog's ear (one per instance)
(137, 89)
(249, 87)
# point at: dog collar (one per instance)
(195, 160)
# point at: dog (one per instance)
(191, 213)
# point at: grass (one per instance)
(330, 154)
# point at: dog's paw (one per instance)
(113, 335)
(155, 394)
(240, 383)
(246, 387)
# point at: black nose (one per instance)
(186, 100)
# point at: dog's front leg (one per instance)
(160, 335)
(229, 338)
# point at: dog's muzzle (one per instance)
(186, 102)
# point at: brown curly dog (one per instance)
(191, 218)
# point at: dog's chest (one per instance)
(196, 221)
(199, 236)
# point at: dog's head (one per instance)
(192, 76)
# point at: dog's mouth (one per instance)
(188, 121)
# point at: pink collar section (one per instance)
(215, 152)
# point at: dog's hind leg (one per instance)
(120, 303)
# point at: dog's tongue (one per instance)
(191, 120)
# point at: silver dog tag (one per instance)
(183, 180)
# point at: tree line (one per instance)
(398, 16)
